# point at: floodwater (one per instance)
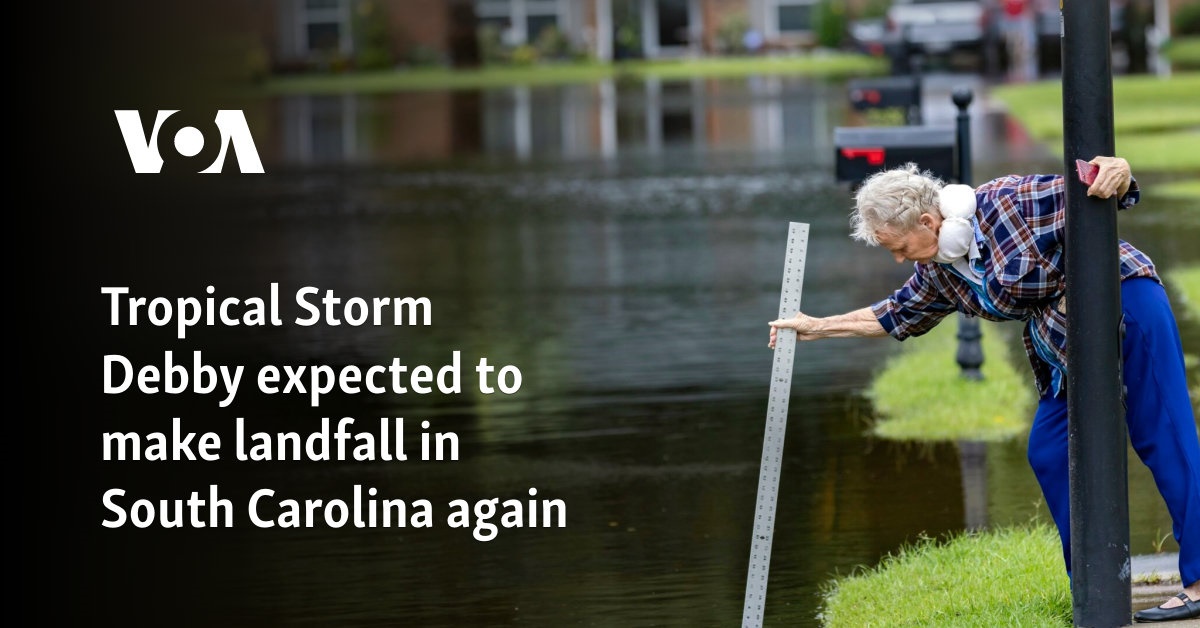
(621, 244)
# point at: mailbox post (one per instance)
(970, 348)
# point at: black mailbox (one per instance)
(892, 91)
(862, 151)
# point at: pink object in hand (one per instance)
(1087, 171)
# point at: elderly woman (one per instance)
(997, 252)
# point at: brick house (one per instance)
(300, 33)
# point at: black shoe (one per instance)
(1187, 610)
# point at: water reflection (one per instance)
(972, 457)
(526, 123)
(757, 118)
(352, 129)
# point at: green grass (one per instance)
(920, 394)
(1161, 152)
(825, 65)
(1184, 52)
(1156, 120)
(1189, 189)
(1155, 578)
(1007, 577)
(1186, 282)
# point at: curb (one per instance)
(1156, 578)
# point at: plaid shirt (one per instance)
(1020, 232)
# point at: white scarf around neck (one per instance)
(956, 234)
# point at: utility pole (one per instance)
(1096, 425)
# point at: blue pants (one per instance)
(1162, 427)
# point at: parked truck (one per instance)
(940, 27)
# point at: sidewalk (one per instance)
(1163, 571)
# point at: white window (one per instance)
(325, 26)
(795, 16)
(521, 21)
(787, 17)
(540, 14)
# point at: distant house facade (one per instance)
(651, 28)
(308, 32)
(301, 34)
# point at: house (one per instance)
(301, 34)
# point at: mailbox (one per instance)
(862, 151)
(892, 91)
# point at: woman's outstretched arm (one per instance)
(857, 324)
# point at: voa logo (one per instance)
(191, 144)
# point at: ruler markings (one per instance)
(776, 427)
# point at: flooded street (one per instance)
(621, 244)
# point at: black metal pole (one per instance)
(912, 116)
(1096, 432)
(972, 460)
(962, 98)
(970, 351)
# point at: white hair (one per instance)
(893, 200)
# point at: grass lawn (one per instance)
(1189, 188)
(1007, 577)
(1186, 282)
(817, 64)
(920, 394)
(1184, 52)
(1156, 120)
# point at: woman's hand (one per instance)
(804, 325)
(1112, 179)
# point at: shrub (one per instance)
(1184, 52)
(524, 55)
(375, 45)
(420, 55)
(830, 23)
(730, 35)
(552, 43)
(873, 9)
(627, 17)
(337, 62)
(491, 44)
(1187, 19)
